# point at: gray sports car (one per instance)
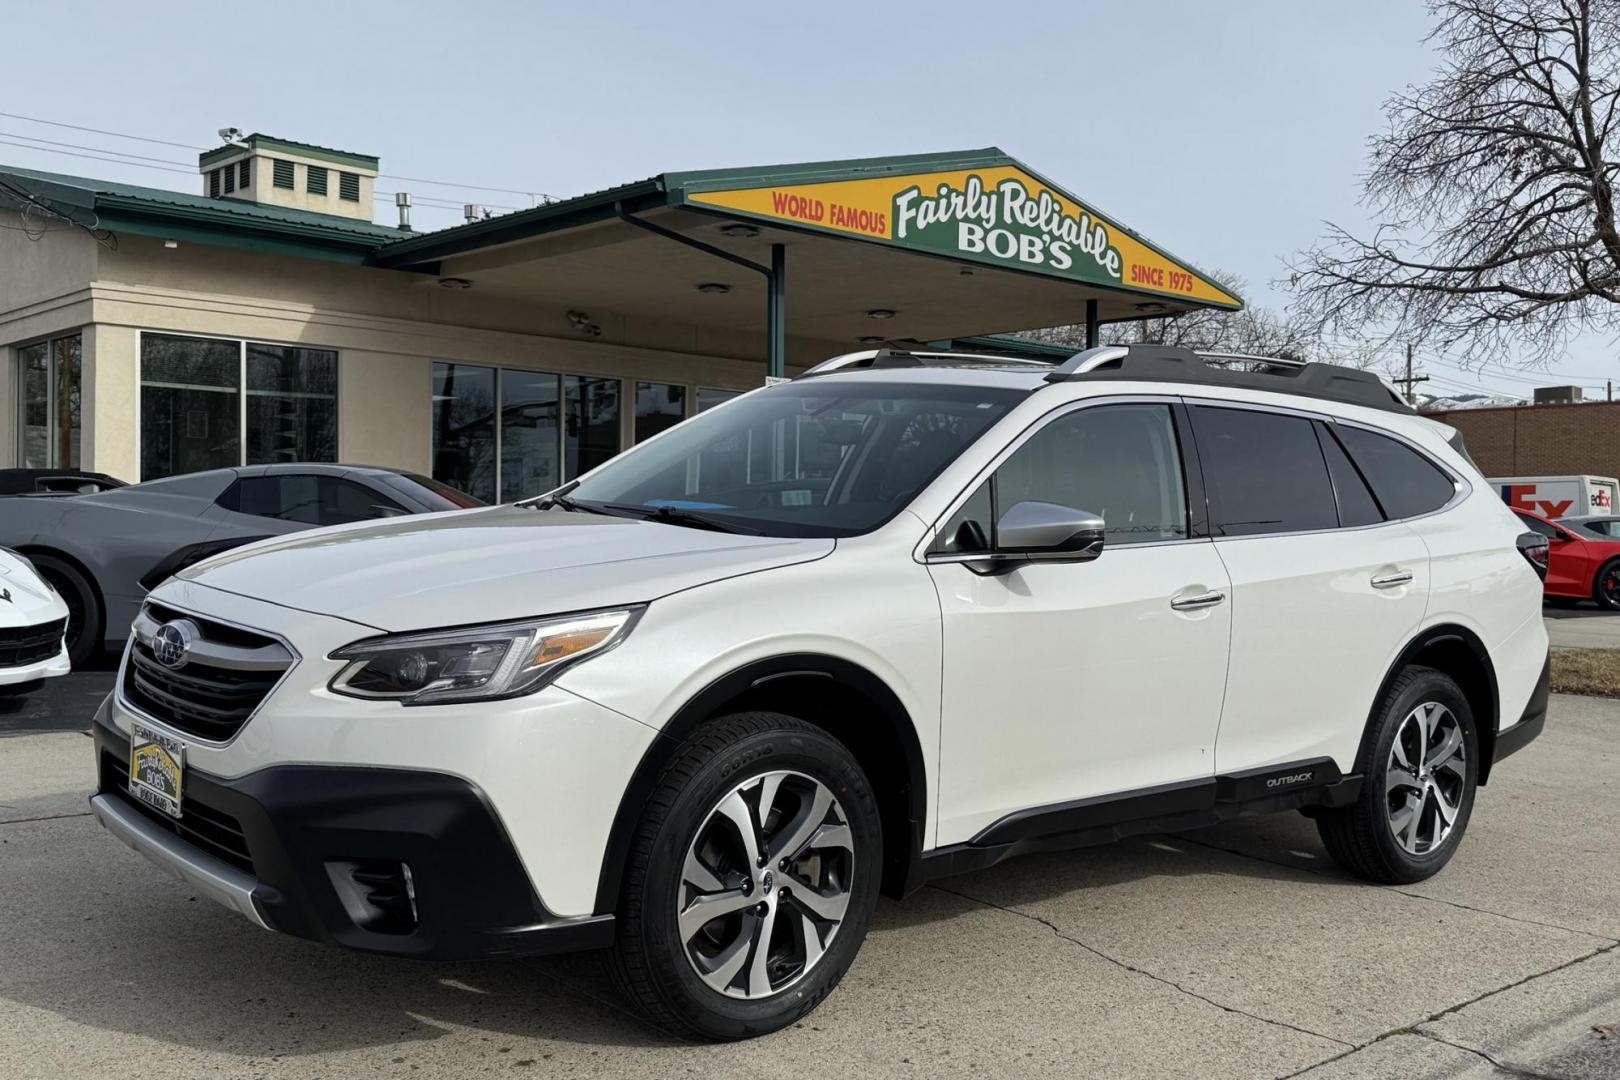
(102, 552)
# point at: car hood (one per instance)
(25, 599)
(488, 565)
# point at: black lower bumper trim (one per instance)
(1534, 718)
(468, 895)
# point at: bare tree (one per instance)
(1257, 331)
(1494, 186)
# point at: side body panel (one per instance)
(1066, 681)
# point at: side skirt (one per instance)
(1168, 808)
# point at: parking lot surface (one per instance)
(1238, 951)
(1585, 626)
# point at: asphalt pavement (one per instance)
(1584, 626)
(1238, 951)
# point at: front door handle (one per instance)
(1198, 600)
(1390, 581)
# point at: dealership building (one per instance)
(266, 318)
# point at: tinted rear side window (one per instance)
(1265, 471)
(1356, 503)
(1406, 483)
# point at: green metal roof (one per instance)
(257, 142)
(174, 215)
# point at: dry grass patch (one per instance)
(1586, 671)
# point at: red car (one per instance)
(1581, 565)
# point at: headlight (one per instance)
(478, 663)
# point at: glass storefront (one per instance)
(659, 406)
(464, 428)
(708, 397)
(209, 403)
(51, 374)
(504, 434)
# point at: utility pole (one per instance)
(1610, 388)
(1410, 380)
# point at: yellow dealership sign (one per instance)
(1001, 215)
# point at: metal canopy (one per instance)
(922, 248)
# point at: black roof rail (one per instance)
(1166, 363)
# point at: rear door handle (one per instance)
(1390, 581)
(1199, 600)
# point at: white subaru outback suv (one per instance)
(904, 616)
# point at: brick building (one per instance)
(1541, 440)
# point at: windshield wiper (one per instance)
(691, 519)
(561, 501)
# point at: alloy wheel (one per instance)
(1609, 584)
(1426, 778)
(765, 884)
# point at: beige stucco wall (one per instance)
(387, 326)
(44, 290)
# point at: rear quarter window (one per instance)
(1405, 482)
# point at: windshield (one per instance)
(802, 459)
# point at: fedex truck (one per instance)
(1559, 496)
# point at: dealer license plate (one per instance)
(157, 764)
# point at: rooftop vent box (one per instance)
(1557, 395)
(298, 176)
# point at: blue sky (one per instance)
(1227, 133)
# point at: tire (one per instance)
(1366, 838)
(85, 609)
(1606, 586)
(687, 843)
(85, 615)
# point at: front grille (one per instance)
(210, 695)
(199, 824)
(20, 645)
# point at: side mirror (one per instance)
(1047, 530)
(1041, 532)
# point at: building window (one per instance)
(531, 425)
(315, 180)
(510, 433)
(49, 428)
(349, 187)
(281, 174)
(590, 424)
(659, 406)
(213, 184)
(708, 397)
(193, 413)
(245, 173)
(291, 404)
(464, 428)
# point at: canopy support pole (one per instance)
(1093, 327)
(776, 314)
(775, 287)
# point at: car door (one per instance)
(1068, 681)
(1326, 589)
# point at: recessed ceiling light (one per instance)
(171, 244)
(966, 271)
(871, 339)
(454, 283)
(880, 313)
(740, 231)
(1152, 305)
(714, 287)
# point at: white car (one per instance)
(904, 616)
(33, 620)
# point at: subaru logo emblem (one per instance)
(171, 643)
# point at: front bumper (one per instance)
(317, 850)
(44, 669)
